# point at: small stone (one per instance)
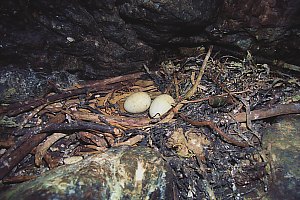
(70, 39)
(2, 151)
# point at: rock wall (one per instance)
(100, 38)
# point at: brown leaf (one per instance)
(131, 141)
(58, 118)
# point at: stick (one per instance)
(192, 91)
(11, 158)
(207, 98)
(33, 136)
(17, 179)
(67, 127)
(282, 109)
(99, 87)
(42, 148)
(217, 129)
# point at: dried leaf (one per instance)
(131, 141)
(178, 141)
(125, 122)
(195, 143)
(187, 144)
(93, 117)
(117, 97)
(58, 118)
(144, 83)
(101, 101)
(92, 139)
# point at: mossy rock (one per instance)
(120, 173)
(282, 140)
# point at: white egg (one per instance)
(137, 102)
(161, 105)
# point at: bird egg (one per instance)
(137, 102)
(161, 105)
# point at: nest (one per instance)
(211, 138)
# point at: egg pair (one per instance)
(141, 101)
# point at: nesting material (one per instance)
(72, 160)
(137, 102)
(161, 105)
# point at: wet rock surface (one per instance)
(120, 173)
(97, 39)
(283, 142)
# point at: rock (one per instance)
(87, 38)
(97, 39)
(283, 143)
(119, 173)
(21, 84)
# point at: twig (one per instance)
(127, 122)
(92, 138)
(222, 85)
(94, 147)
(207, 98)
(217, 129)
(247, 108)
(131, 141)
(283, 109)
(17, 179)
(12, 157)
(43, 147)
(176, 86)
(67, 127)
(31, 115)
(192, 91)
(248, 120)
(33, 136)
(103, 86)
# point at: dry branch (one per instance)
(33, 136)
(131, 141)
(192, 91)
(102, 86)
(283, 109)
(67, 127)
(127, 122)
(17, 179)
(217, 129)
(12, 157)
(43, 147)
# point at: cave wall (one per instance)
(87, 37)
(100, 38)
